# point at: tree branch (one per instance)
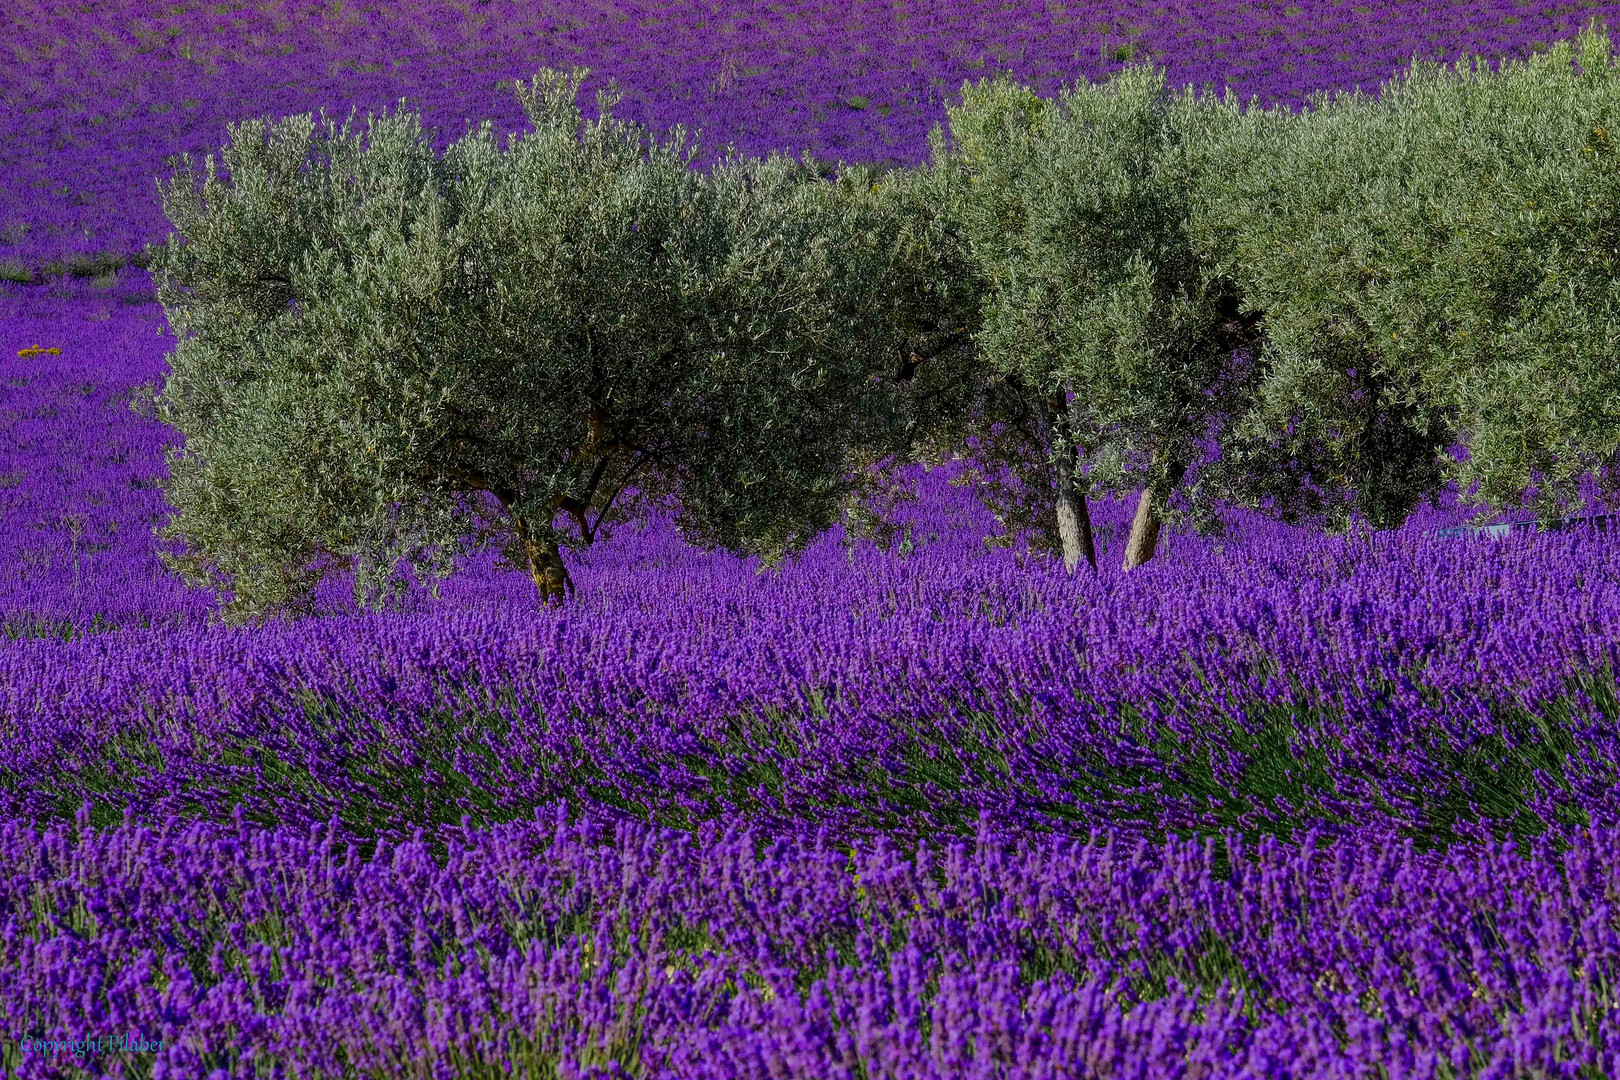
(624, 482)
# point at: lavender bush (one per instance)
(575, 949)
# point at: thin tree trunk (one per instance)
(1144, 539)
(546, 567)
(1073, 516)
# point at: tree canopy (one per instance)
(387, 357)
(1109, 337)
(1435, 267)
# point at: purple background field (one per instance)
(94, 98)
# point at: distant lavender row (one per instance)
(648, 953)
(98, 96)
(80, 474)
(79, 471)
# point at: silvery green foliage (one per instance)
(1516, 324)
(1108, 332)
(931, 297)
(1433, 266)
(386, 357)
(808, 316)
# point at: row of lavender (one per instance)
(98, 96)
(1261, 679)
(555, 949)
(912, 701)
(1410, 680)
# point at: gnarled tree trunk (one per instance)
(1073, 516)
(546, 567)
(1144, 538)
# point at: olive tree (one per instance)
(1335, 430)
(1023, 428)
(1112, 339)
(387, 357)
(1512, 320)
(1432, 267)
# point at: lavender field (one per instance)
(98, 97)
(1275, 804)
